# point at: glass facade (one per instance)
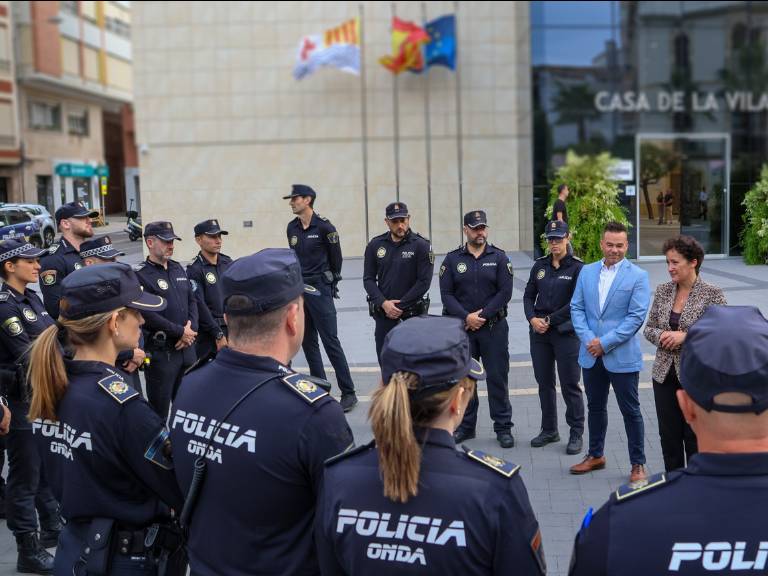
(676, 90)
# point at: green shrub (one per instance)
(592, 203)
(754, 235)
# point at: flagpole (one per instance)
(459, 144)
(396, 133)
(427, 130)
(364, 116)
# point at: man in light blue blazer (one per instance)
(608, 308)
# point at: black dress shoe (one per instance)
(505, 439)
(463, 435)
(348, 401)
(545, 438)
(575, 444)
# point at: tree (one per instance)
(655, 162)
(575, 105)
(754, 235)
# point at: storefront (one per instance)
(677, 91)
(75, 182)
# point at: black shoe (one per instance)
(463, 435)
(545, 438)
(575, 444)
(2, 506)
(49, 535)
(33, 558)
(505, 439)
(348, 401)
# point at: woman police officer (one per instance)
(22, 319)
(409, 499)
(106, 450)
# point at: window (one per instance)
(45, 191)
(69, 6)
(45, 116)
(3, 190)
(78, 122)
(119, 27)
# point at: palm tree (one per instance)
(575, 104)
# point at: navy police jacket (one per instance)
(206, 279)
(471, 516)
(468, 284)
(62, 259)
(107, 455)
(173, 285)
(549, 289)
(703, 519)
(254, 513)
(317, 248)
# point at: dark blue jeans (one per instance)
(597, 383)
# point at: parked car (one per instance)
(15, 222)
(43, 219)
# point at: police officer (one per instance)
(23, 318)
(74, 223)
(169, 336)
(476, 285)
(547, 305)
(106, 451)
(205, 271)
(99, 250)
(409, 502)
(265, 430)
(316, 243)
(705, 518)
(397, 272)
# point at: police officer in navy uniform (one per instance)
(169, 336)
(106, 451)
(547, 305)
(22, 319)
(476, 285)
(397, 272)
(409, 502)
(206, 271)
(96, 251)
(705, 518)
(318, 248)
(264, 429)
(74, 223)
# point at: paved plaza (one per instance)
(559, 499)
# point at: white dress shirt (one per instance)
(607, 276)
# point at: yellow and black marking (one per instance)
(635, 488)
(308, 387)
(115, 386)
(501, 466)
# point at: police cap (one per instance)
(18, 248)
(160, 229)
(271, 278)
(100, 247)
(300, 190)
(209, 228)
(556, 229)
(74, 210)
(434, 348)
(397, 210)
(475, 219)
(726, 350)
(96, 289)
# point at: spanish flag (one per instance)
(407, 40)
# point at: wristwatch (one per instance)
(3, 401)
(219, 335)
(546, 319)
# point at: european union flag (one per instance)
(441, 49)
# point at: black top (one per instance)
(559, 206)
(254, 513)
(318, 248)
(674, 319)
(206, 277)
(173, 285)
(62, 259)
(398, 270)
(549, 289)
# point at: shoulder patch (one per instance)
(54, 247)
(115, 386)
(635, 488)
(351, 451)
(503, 467)
(4, 296)
(442, 270)
(308, 387)
(139, 266)
(48, 278)
(13, 326)
(159, 450)
(333, 237)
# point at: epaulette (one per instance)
(225, 258)
(503, 467)
(139, 266)
(422, 237)
(323, 218)
(646, 485)
(4, 295)
(351, 451)
(115, 386)
(577, 258)
(543, 257)
(53, 247)
(308, 387)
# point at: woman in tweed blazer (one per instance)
(677, 305)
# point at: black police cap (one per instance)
(556, 229)
(300, 190)
(18, 248)
(726, 350)
(397, 210)
(96, 289)
(434, 348)
(475, 218)
(209, 228)
(271, 278)
(74, 210)
(99, 247)
(160, 229)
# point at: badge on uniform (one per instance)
(307, 387)
(509, 269)
(162, 284)
(333, 237)
(461, 267)
(29, 314)
(4, 296)
(442, 270)
(431, 256)
(115, 386)
(78, 265)
(381, 252)
(48, 277)
(53, 248)
(503, 467)
(540, 274)
(210, 277)
(13, 326)
(294, 240)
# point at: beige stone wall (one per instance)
(226, 130)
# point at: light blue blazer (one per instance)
(618, 322)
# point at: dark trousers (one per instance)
(320, 319)
(27, 494)
(163, 376)
(491, 345)
(383, 327)
(678, 441)
(547, 350)
(72, 542)
(597, 383)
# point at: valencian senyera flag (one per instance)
(407, 40)
(338, 48)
